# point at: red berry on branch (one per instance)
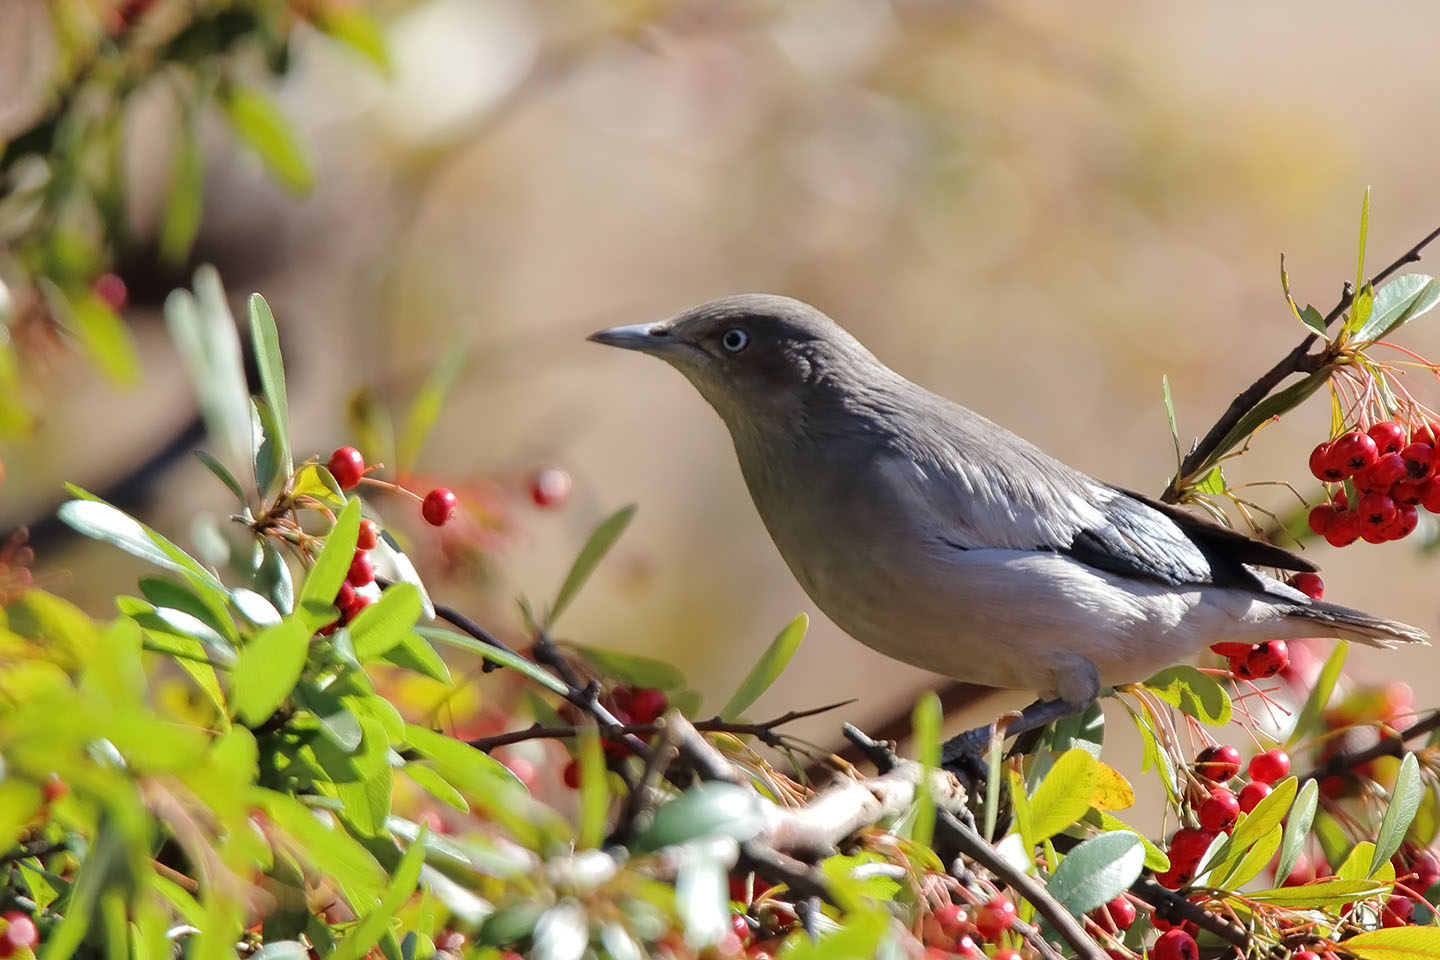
(1381, 475)
(1325, 466)
(1266, 660)
(20, 932)
(1426, 433)
(1407, 518)
(346, 596)
(1430, 495)
(361, 572)
(1239, 667)
(571, 775)
(1426, 869)
(1355, 450)
(1122, 912)
(369, 536)
(1344, 529)
(994, 918)
(1389, 437)
(647, 705)
(550, 487)
(1188, 845)
(347, 466)
(967, 948)
(1229, 648)
(1173, 879)
(110, 290)
(1320, 518)
(741, 927)
(54, 788)
(1309, 584)
(1397, 912)
(1408, 493)
(1419, 460)
(1219, 811)
(1252, 793)
(1218, 763)
(438, 506)
(953, 920)
(1270, 766)
(1175, 945)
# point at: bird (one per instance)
(941, 539)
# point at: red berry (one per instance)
(1344, 529)
(1397, 912)
(1408, 493)
(1324, 465)
(1219, 811)
(1355, 451)
(1229, 648)
(1270, 766)
(54, 788)
(361, 572)
(1187, 846)
(571, 775)
(1218, 763)
(1239, 667)
(1309, 584)
(346, 596)
(1426, 869)
(1305, 955)
(994, 918)
(1426, 433)
(550, 487)
(347, 466)
(1175, 945)
(1430, 495)
(1419, 460)
(1376, 510)
(1381, 475)
(1407, 518)
(1122, 912)
(1006, 955)
(1266, 660)
(647, 705)
(110, 290)
(1163, 924)
(1302, 873)
(741, 927)
(438, 507)
(1320, 517)
(1173, 879)
(953, 920)
(967, 948)
(20, 932)
(1389, 437)
(1252, 793)
(369, 536)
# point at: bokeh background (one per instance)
(1035, 209)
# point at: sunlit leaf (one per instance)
(1155, 858)
(1397, 302)
(323, 581)
(1319, 696)
(265, 339)
(1097, 871)
(268, 668)
(594, 790)
(636, 670)
(465, 642)
(383, 624)
(1064, 795)
(768, 668)
(1196, 694)
(1112, 791)
(1267, 815)
(1327, 893)
(1405, 799)
(600, 542)
(1396, 943)
(925, 723)
(1297, 828)
(356, 29)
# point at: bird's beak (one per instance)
(645, 337)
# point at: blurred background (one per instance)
(1034, 209)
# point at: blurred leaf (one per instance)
(1319, 696)
(205, 337)
(259, 123)
(390, 551)
(841, 869)
(255, 607)
(436, 785)
(688, 702)
(768, 668)
(1112, 790)
(1329, 893)
(269, 667)
(20, 800)
(925, 723)
(334, 852)
(184, 206)
(1064, 795)
(426, 406)
(1097, 871)
(382, 625)
(282, 950)
(701, 896)
(600, 542)
(98, 328)
(635, 670)
(168, 593)
(1170, 417)
(1334, 841)
(714, 808)
(356, 29)
(594, 790)
(1397, 302)
(862, 935)
(1405, 798)
(265, 339)
(465, 642)
(561, 932)
(273, 578)
(1395, 943)
(222, 474)
(1196, 694)
(413, 653)
(1297, 828)
(323, 581)
(1084, 731)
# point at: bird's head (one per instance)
(754, 357)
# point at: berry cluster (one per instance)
(1254, 661)
(1387, 472)
(629, 705)
(956, 930)
(1216, 807)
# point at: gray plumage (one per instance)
(940, 538)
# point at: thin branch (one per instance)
(1394, 746)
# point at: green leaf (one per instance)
(356, 29)
(636, 670)
(186, 200)
(390, 551)
(259, 123)
(1170, 417)
(109, 524)
(594, 791)
(323, 581)
(1085, 731)
(1330, 893)
(1360, 310)
(1253, 861)
(168, 593)
(600, 542)
(1196, 694)
(269, 667)
(436, 785)
(1319, 697)
(271, 470)
(710, 809)
(515, 662)
(1152, 755)
(266, 341)
(98, 328)
(272, 579)
(204, 334)
(383, 624)
(333, 851)
(1064, 795)
(1266, 816)
(1213, 482)
(1297, 828)
(1314, 319)
(1397, 302)
(1405, 799)
(1356, 865)
(426, 406)
(1395, 943)
(413, 653)
(768, 668)
(925, 722)
(223, 474)
(1364, 237)
(1097, 871)
(1155, 858)
(1272, 406)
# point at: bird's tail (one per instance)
(1347, 623)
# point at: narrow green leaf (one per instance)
(633, 669)
(1085, 731)
(223, 474)
(1196, 694)
(1360, 310)
(109, 524)
(436, 785)
(356, 29)
(1397, 302)
(594, 791)
(167, 593)
(273, 580)
(384, 623)
(1272, 406)
(185, 202)
(1319, 697)
(414, 653)
(265, 339)
(259, 123)
(1097, 871)
(323, 581)
(517, 663)
(600, 542)
(768, 668)
(1170, 418)
(268, 668)
(1315, 320)
(1405, 799)
(425, 408)
(925, 721)
(1064, 795)
(1395, 943)
(1020, 804)
(270, 466)
(1267, 815)
(205, 337)
(333, 851)
(1152, 755)
(1297, 828)
(1364, 238)
(1213, 482)
(1330, 893)
(1253, 861)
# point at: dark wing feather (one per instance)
(1224, 544)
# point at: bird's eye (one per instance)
(735, 340)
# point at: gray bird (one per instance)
(944, 540)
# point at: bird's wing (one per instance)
(992, 489)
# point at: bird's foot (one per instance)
(965, 754)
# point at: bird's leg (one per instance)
(964, 753)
